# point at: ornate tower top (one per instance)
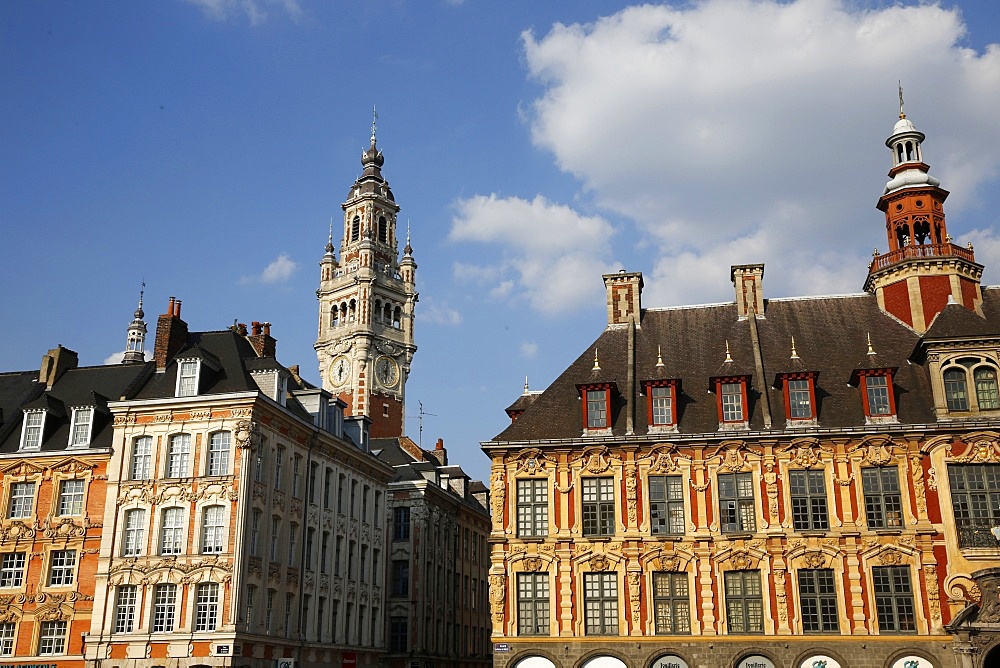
(135, 346)
(923, 268)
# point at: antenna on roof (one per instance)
(420, 422)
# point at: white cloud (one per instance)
(529, 350)
(278, 271)
(731, 131)
(438, 313)
(255, 11)
(551, 255)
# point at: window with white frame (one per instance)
(661, 406)
(62, 568)
(671, 604)
(7, 636)
(134, 533)
(213, 529)
(71, 497)
(666, 505)
(164, 607)
(876, 388)
(732, 401)
(533, 604)
(206, 612)
(269, 610)
(600, 600)
(81, 427)
(296, 474)
(172, 531)
(179, 456)
(187, 378)
(744, 602)
(597, 409)
(293, 530)
(251, 595)
(279, 455)
(275, 535)
(52, 638)
(12, 569)
(255, 519)
(140, 468)
(125, 607)
(22, 500)
(218, 453)
(31, 432)
(532, 508)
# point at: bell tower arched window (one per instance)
(383, 230)
(355, 228)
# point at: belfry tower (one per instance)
(366, 303)
(923, 268)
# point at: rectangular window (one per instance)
(598, 507)
(172, 531)
(187, 378)
(671, 603)
(255, 518)
(894, 599)
(218, 453)
(597, 409)
(310, 541)
(71, 497)
(532, 508)
(883, 506)
(288, 615)
(179, 456)
(206, 612)
(808, 500)
(134, 533)
(401, 523)
(82, 420)
(31, 434)
(324, 551)
(337, 555)
(975, 502)
(732, 402)
(661, 405)
(296, 475)
(398, 634)
(251, 594)
(799, 399)
(125, 605)
(877, 392)
(279, 455)
(736, 502)
(142, 455)
(377, 520)
(164, 607)
(269, 610)
(744, 602)
(258, 467)
(313, 480)
(400, 578)
(213, 529)
(52, 638)
(7, 638)
(293, 530)
(275, 536)
(533, 604)
(666, 505)
(818, 598)
(327, 483)
(62, 568)
(600, 601)
(22, 500)
(12, 569)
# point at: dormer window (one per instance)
(958, 397)
(731, 398)
(81, 427)
(661, 404)
(187, 377)
(31, 433)
(800, 397)
(596, 400)
(876, 389)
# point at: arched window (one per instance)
(955, 390)
(396, 318)
(355, 228)
(134, 534)
(352, 310)
(213, 529)
(378, 311)
(383, 229)
(986, 388)
(334, 316)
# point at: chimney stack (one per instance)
(261, 340)
(624, 297)
(748, 280)
(171, 334)
(54, 363)
(439, 453)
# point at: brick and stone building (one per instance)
(789, 483)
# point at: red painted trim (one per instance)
(674, 385)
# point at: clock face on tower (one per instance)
(386, 371)
(340, 371)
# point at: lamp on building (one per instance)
(996, 532)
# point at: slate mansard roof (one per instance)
(831, 340)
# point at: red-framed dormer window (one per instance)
(661, 402)
(800, 395)
(876, 392)
(731, 397)
(596, 400)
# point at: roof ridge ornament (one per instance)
(526, 390)
(902, 114)
(729, 358)
(597, 364)
(659, 358)
(871, 351)
(795, 355)
(375, 120)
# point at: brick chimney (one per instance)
(261, 340)
(624, 297)
(54, 363)
(749, 282)
(171, 334)
(439, 454)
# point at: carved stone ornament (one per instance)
(877, 454)
(890, 557)
(814, 560)
(73, 466)
(599, 563)
(498, 595)
(201, 415)
(664, 462)
(498, 495)
(16, 530)
(533, 564)
(163, 417)
(668, 562)
(981, 452)
(123, 420)
(22, 469)
(63, 528)
(630, 492)
(244, 412)
(245, 431)
(781, 595)
(733, 460)
(596, 460)
(804, 456)
(741, 560)
(532, 461)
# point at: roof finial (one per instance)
(795, 355)
(374, 121)
(902, 114)
(871, 351)
(526, 390)
(597, 364)
(729, 358)
(659, 357)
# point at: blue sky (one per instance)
(202, 146)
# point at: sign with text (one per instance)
(500, 647)
(755, 661)
(670, 661)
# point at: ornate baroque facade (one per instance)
(787, 483)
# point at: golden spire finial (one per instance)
(526, 391)
(659, 357)
(871, 351)
(902, 114)
(795, 355)
(729, 357)
(597, 364)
